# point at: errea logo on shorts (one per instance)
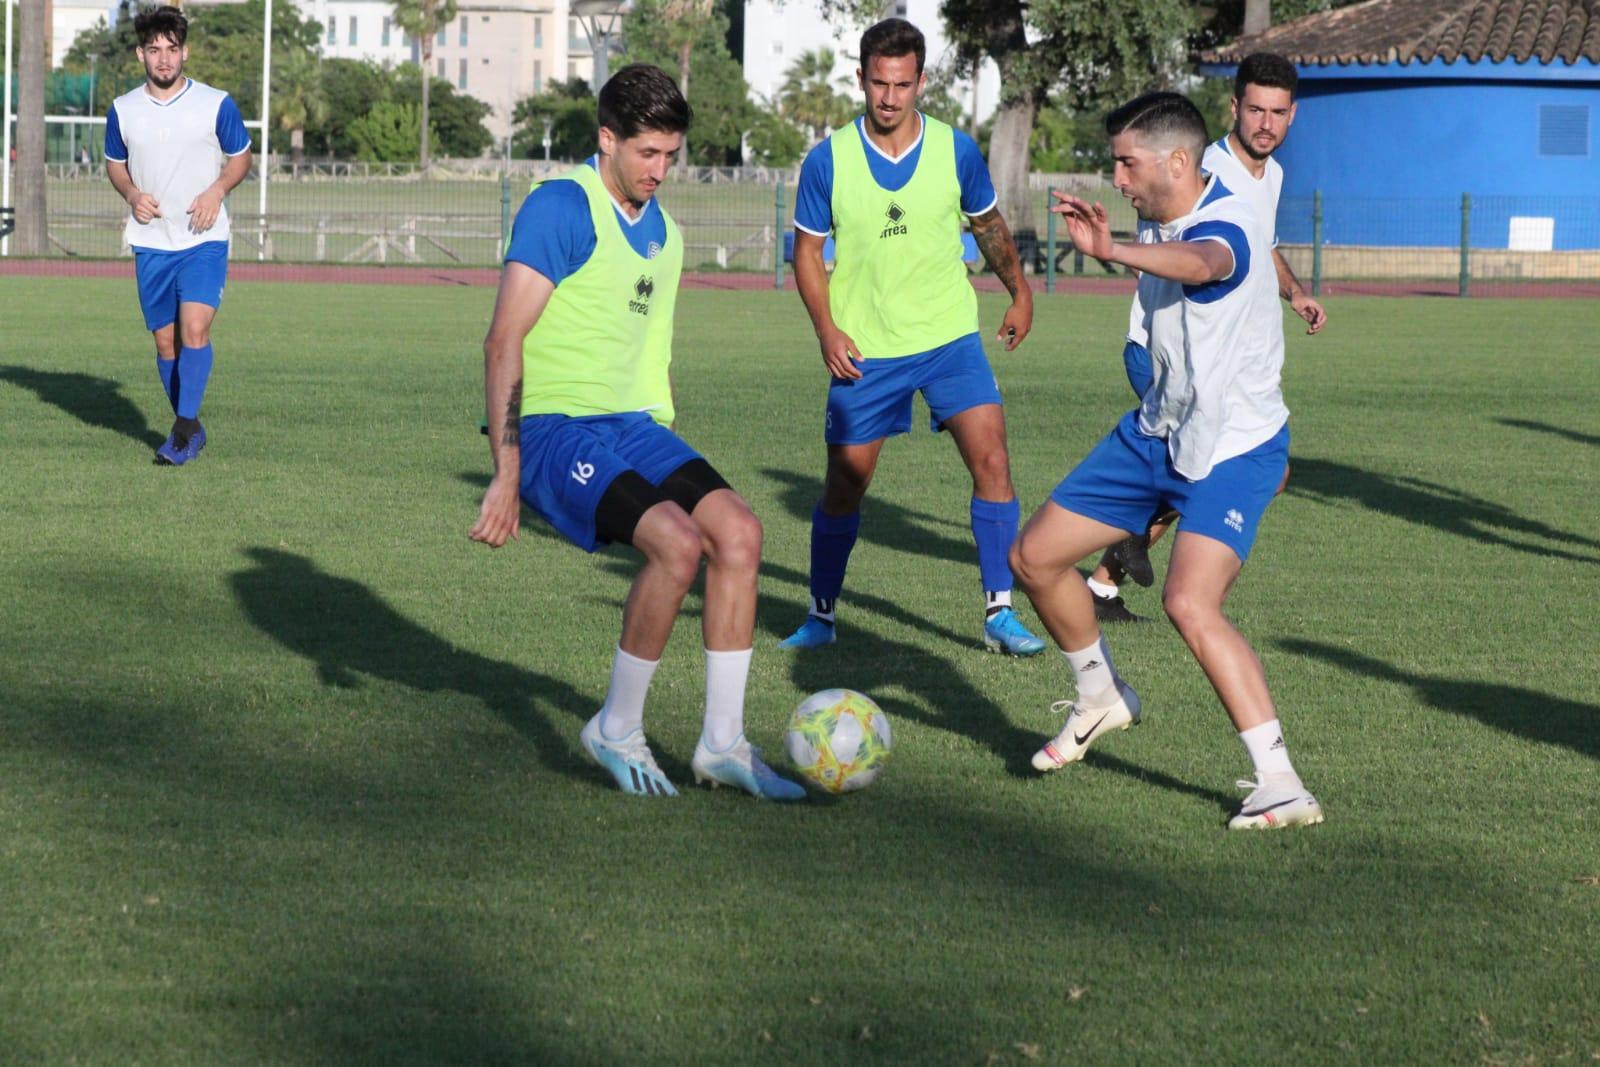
(1235, 520)
(582, 472)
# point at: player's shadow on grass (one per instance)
(1526, 712)
(882, 522)
(1430, 504)
(92, 400)
(348, 631)
(1575, 436)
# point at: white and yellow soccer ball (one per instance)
(839, 740)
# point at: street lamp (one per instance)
(600, 19)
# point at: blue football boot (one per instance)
(167, 454)
(1004, 632)
(813, 633)
(741, 767)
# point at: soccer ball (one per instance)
(839, 740)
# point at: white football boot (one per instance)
(1276, 801)
(1084, 724)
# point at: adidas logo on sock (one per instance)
(1092, 664)
(1275, 745)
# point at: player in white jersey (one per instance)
(1263, 109)
(174, 150)
(1209, 439)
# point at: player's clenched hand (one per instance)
(499, 515)
(205, 209)
(840, 354)
(1308, 308)
(145, 207)
(1018, 321)
(1087, 224)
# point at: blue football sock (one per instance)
(994, 528)
(194, 370)
(168, 369)
(832, 538)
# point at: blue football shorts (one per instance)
(1136, 361)
(166, 279)
(951, 378)
(1128, 477)
(568, 463)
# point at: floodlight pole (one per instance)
(600, 19)
(266, 131)
(6, 116)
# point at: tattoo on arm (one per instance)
(512, 435)
(999, 250)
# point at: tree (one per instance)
(455, 120)
(658, 31)
(388, 133)
(298, 99)
(775, 141)
(423, 19)
(351, 87)
(570, 108)
(33, 235)
(810, 95)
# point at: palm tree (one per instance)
(810, 95)
(422, 19)
(33, 60)
(298, 98)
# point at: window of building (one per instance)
(572, 70)
(387, 26)
(898, 9)
(461, 38)
(1564, 130)
(538, 33)
(439, 37)
(352, 30)
(441, 66)
(333, 32)
(538, 76)
(461, 76)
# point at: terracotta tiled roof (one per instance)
(1406, 31)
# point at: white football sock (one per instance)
(726, 673)
(1097, 679)
(1267, 749)
(623, 712)
(995, 600)
(1101, 589)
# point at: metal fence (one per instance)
(735, 219)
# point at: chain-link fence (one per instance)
(337, 214)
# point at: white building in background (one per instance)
(68, 18)
(778, 33)
(498, 51)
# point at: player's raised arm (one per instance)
(524, 292)
(1189, 262)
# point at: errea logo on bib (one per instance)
(643, 289)
(895, 226)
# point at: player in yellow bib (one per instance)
(900, 317)
(579, 408)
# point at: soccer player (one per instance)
(580, 410)
(899, 316)
(175, 148)
(1263, 107)
(1210, 439)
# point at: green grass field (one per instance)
(289, 768)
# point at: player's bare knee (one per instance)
(1025, 567)
(737, 543)
(991, 475)
(1187, 611)
(196, 336)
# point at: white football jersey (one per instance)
(1216, 350)
(174, 150)
(1260, 193)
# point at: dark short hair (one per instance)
(642, 97)
(1266, 69)
(1170, 116)
(156, 22)
(893, 37)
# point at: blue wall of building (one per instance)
(1392, 150)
